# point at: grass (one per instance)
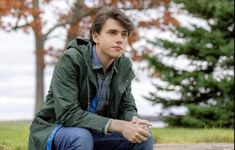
(185, 135)
(14, 135)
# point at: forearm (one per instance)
(116, 125)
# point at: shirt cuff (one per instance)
(106, 127)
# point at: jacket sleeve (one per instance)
(127, 107)
(66, 101)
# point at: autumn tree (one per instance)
(27, 15)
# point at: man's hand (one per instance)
(143, 123)
(133, 132)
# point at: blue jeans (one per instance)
(73, 138)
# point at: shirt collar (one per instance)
(96, 64)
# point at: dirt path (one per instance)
(202, 146)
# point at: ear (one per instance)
(95, 37)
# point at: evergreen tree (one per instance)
(207, 91)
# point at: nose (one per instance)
(119, 39)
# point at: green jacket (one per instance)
(72, 87)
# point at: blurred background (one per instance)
(182, 53)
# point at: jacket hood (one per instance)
(78, 42)
(83, 46)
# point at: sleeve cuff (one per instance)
(106, 127)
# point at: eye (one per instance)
(125, 34)
(113, 32)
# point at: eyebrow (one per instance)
(124, 31)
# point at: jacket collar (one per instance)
(86, 48)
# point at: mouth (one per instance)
(118, 48)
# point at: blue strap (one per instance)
(51, 137)
(93, 105)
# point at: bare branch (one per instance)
(21, 26)
(16, 24)
(53, 28)
(56, 36)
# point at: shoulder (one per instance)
(124, 67)
(73, 53)
(125, 62)
(69, 56)
(77, 49)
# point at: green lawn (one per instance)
(14, 135)
(185, 135)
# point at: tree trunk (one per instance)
(40, 65)
(39, 51)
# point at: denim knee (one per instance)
(147, 145)
(84, 139)
(73, 138)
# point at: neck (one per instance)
(105, 60)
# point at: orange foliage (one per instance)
(46, 1)
(158, 2)
(136, 4)
(168, 19)
(74, 29)
(166, 1)
(18, 4)
(155, 74)
(5, 6)
(63, 18)
(143, 24)
(155, 23)
(146, 24)
(21, 7)
(115, 1)
(134, 37)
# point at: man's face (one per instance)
(112, 39)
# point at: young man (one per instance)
(89, 104)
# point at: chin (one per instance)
(117, 56)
